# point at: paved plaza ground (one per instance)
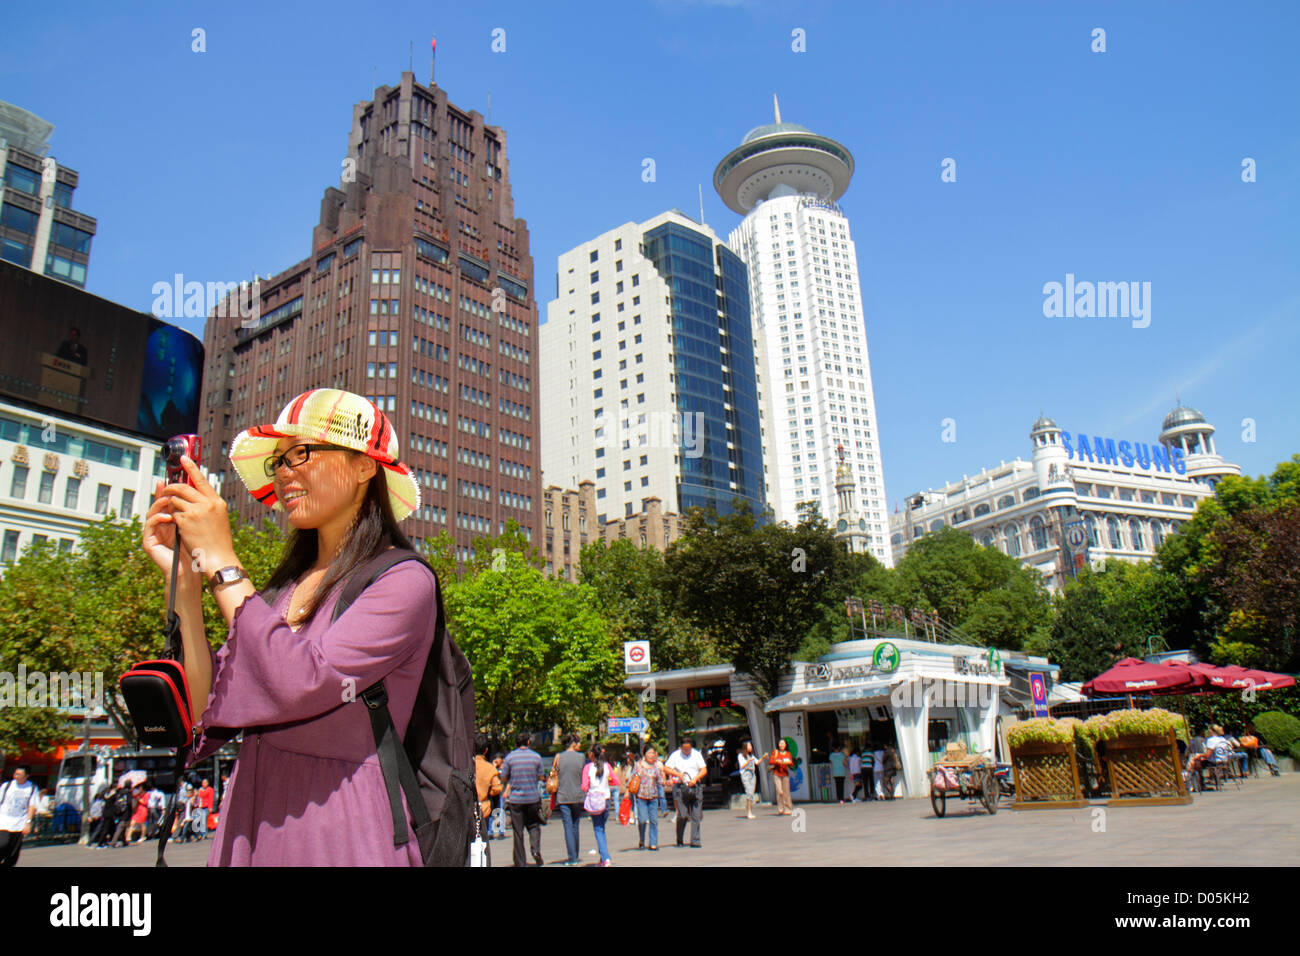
(1256, 825)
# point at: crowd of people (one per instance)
(641, 788)
(130, 813)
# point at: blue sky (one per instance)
(1115, 166)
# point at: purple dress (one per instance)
(307, 789)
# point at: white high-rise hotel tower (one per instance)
(810, 341)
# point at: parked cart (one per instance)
(966, 776)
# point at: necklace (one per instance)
(302, 610)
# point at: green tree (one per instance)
(987, 594)
(541, 652)
(1200, 614)
(758, 589)
(631, 587)
(1104, 616)
(102, 606)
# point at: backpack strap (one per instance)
(399, 774)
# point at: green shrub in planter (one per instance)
(1294, 752)
(1277, 729)
(1046, 730)
(1133, 722)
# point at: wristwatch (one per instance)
(227, 576)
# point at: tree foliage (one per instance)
(542, 653)
(758, 589)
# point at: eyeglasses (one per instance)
(294, 457)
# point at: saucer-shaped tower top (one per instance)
(782, 155)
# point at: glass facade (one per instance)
(710, 312)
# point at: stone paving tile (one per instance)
(1258, 825)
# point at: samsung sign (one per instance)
(1128, 454)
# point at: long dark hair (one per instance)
(597, 756)
(374, 530)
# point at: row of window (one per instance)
(1132, 536)
(71, 491)
(9, 550)
(51, 439)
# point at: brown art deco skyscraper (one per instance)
(418, 294)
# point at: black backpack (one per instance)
(434, 765)
(123, 803)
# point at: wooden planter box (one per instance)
(1145, 771)
(1046, 777)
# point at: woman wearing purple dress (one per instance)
(307, 789)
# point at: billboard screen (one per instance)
(77, 354)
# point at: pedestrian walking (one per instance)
(308, 788)
(497, 822)
(747, 760)
(569, 795)
(687, 768)
(892, 766)
(626, 772)
(649, 774)
(94, 818)
(598, 783)
(878, 770)
(206, 797)
(781, 761)
(522, 769)
(839, 771)
(157, 806)
(19, 801)
(139, 815)
(487, 779)
(868, 773)
(855, 772)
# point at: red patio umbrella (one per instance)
(1198, 676)
(1244, 677)
(1132, 676)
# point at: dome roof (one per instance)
(771, 129)
(1182, 415)
(1044, 422)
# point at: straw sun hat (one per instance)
(335, 417)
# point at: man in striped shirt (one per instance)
(522, 769)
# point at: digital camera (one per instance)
(171, 452)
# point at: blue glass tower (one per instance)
(714, 370)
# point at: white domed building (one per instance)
(1080, 499)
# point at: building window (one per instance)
(1112, 528)
(1013, 540)
(46, 490)
(1038, 534)
(1006, 501)
(1157, 534)
(10, 547)
(72, 493)
(1135, 534)
(101, 500)
(128, 502)
(18, 486)
(1093, 540)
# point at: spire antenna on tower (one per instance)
(776, 108)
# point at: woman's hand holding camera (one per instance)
(200, 514)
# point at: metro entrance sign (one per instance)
(636, 657)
